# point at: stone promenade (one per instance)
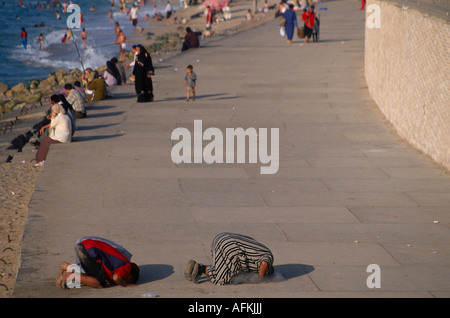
(348, 193)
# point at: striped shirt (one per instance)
(233, 253)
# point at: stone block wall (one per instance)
(407, 69)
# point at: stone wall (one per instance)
(407, 69)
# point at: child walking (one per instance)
(190, 80)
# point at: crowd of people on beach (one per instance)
(68, 104)
(67, 36)
(105, 262)
(286, 9)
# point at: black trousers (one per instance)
(186, 46)
(90, 265)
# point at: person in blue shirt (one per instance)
(291, 22)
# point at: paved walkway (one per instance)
(349, 192)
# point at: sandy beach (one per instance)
(19, 175)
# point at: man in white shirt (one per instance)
(134, 13)
(169, 10)
(60, 130)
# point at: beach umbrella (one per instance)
(216, 4)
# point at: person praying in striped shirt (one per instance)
(232, 254)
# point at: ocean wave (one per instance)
(35, 63)
(60, 57)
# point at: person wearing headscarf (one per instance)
(121, 70)
(143, 71)
(112, 75)
(95, 86)
(70, 112)
(60, 129)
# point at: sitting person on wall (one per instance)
(70, 112)
(112, 75)
(76, 100)
(121, 69)
(60, 99)
(190, 39)
(95, 87)
(60, 130)
(80, 89)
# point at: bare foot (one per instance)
(61, 279)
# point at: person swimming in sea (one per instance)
(41, 41)
(83, 37)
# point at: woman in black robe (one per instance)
(143, 71)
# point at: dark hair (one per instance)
(55, 98)
(77, 83)
(291, 6)
(114, 60)
(65, 104)
(188, 29)
(68, 86)
(190, 67)
(134, 272)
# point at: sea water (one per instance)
(19, 65)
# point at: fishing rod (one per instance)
(78, 51)
(74, 41)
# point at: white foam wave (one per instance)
(36, 58)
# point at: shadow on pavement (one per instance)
(154, 272)
(281, 273)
